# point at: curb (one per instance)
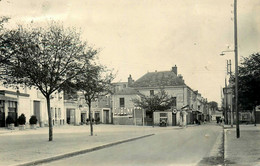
(71, 154)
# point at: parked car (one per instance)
(163, 122)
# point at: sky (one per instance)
(140, 36)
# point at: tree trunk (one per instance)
(90, 119)
(49, 118)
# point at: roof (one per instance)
(127, 91)
(155, 79)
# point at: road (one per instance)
(187, 146)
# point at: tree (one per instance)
(94, 82)
(213, 105)
(160, 101)
(3, 20)
(45, 58)
(249, 82)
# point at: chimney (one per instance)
(174, 69)
(130, 80)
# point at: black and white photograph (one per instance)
(129, 83)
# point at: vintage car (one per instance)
(163, 122)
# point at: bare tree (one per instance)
(45, 58)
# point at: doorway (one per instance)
(83, 118)
(174, 122)
(106, 116)
(12, 111)
(2, 113)
(36, 110)
(70, 116)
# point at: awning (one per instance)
(2, 97)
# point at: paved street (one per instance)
(30, 145)
(188, 146)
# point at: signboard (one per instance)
(257, 108)
(174, 111)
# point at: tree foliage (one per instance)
(213, 105)
(46, 58)
(160, 101)
(3, 20)
(249, 82)
(95, 81)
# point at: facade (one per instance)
(77, 111)
(164, 116)
(30, 101)
(228, 104)
(124, 110)
(245, 116)
(13, 104)
(186, 99)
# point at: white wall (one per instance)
(179, 92)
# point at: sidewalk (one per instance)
(243, 151)
(21, 147)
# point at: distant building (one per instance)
(77, 111)
(216, 115)
(124, 110)
(186, 99)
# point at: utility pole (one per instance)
(226, 101)
(236, 69)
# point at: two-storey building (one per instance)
(186, 99)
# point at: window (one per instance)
(11, 104)
(174, 104)
(151, 92)
(199, 107)
(55, 113)
(52, 113)
(122, 102)
(59, 113)
(163, 114)
(2, 107)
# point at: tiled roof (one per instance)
(127, 91)
(155, 79)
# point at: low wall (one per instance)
(123, 120)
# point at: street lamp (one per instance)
(223, 52)
(236, 67)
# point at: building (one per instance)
(77, 111)
(217, 115)
(30, 101)
(186, 99)
(228, 103)
(124, 110)
(13, 104)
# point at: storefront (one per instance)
(9, 102)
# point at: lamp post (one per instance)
(236, 68)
